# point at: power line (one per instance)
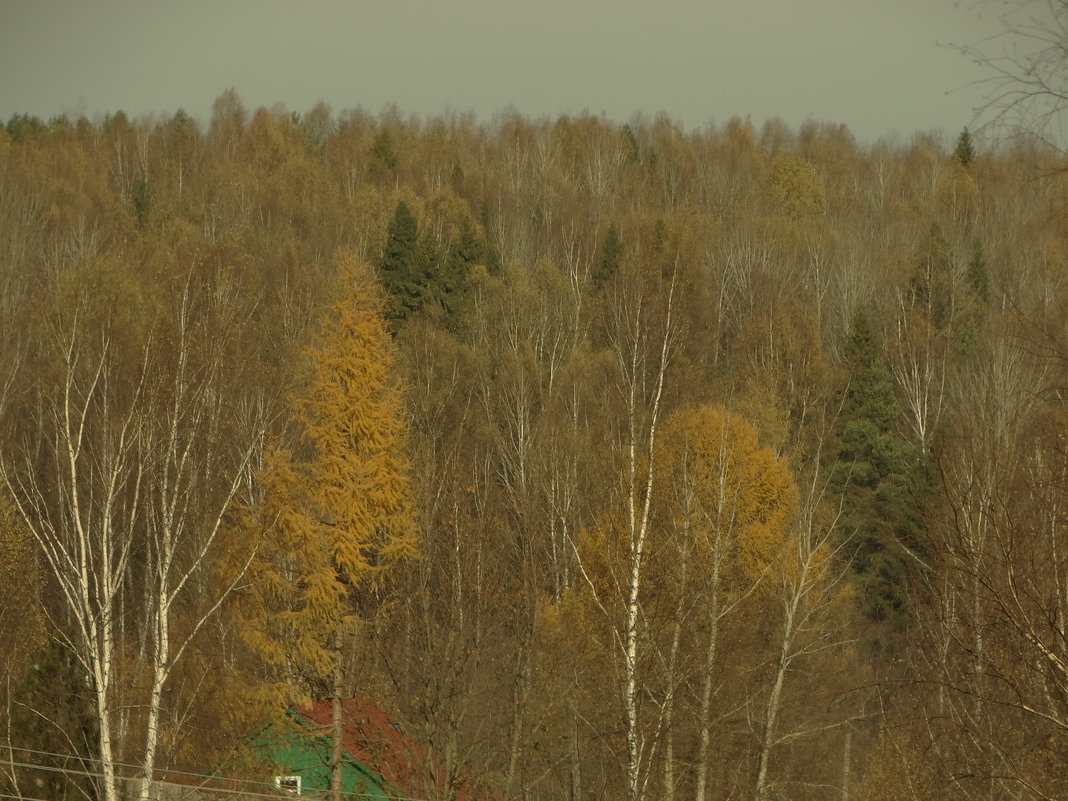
(133, 767)
(213, 791)
(189, 788)
(21, 797)
(205, 786)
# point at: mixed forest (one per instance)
(618, 462)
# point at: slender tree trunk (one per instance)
(159, 677)
(638, 529)
(337, 732)
(669, 709)
(10, 770)
(102, 685)
(705, 711)
(575, 755)
(847, 757)
(672, 667)
(515, 748)
(798, 588)
(669, 759)
(774, 705)
(630, 663)
(97, 585)
(639, 499)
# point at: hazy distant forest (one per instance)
(619, 462)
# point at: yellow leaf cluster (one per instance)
(897, 769)
(22, 619)
(730, 494)
(720, 498)
(796, 187)
(337, 510)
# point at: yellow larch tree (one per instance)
(335, 510)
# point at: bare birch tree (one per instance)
(643, 331)
(198, 454)
(1026, 69)
(77, 482)
(124, 467)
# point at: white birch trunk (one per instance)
(807, 586)
(639, 500)
(705, 738)
(182, 515)
(120, 478)
(775, 697)
(82, 525)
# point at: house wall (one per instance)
(306, 755)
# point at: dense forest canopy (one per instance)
(616, 461)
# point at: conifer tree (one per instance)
(931, 284)
(978, 273)
(400, 272)
(336, 510)
(611, 255)
(977, 280)
(465, 254)
(382, 151)
(428, 272)
(22, 618)
(965, 150)
(881, 476)
(491, 252)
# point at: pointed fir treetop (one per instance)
(931, 284)
(611, 256)
(882, 478)
(399, 267)
(965, 149)
(978, 273)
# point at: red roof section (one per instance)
(375, 739)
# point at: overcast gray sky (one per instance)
(875, 65)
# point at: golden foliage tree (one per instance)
(898, 769)
(795, 187)
(735, 499)
(730, 503)
(335, 510)
(22, 619)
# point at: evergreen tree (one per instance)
(399, 268)
(382, 152)
(969, 329)
(634, 151)
(490, 252)
(456, 178)
(882, 479)
(22, 616)
(931, 284)
(611, 256)
(53, 710)
(467, 252)
(660, 237)
(965, 149)
(456, 272)
(978, 274)
(23, 126)
(140, 199)
(428, 272)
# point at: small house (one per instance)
(379, 761)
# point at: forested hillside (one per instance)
(616, 462)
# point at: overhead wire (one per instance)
(21, 797)
(99, 774)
